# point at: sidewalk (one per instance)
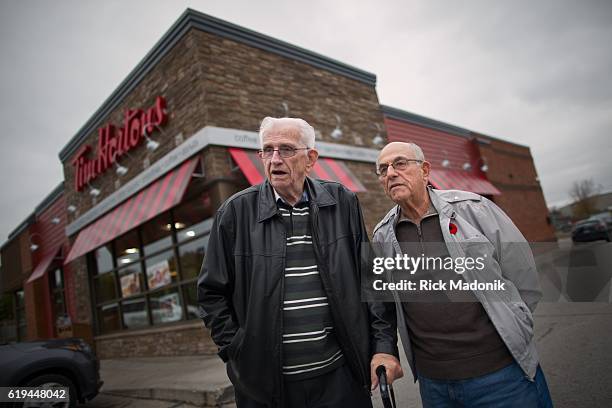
(195, 380)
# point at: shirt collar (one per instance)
(277, 197)
(401, 217)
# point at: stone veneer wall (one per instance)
(183, 339)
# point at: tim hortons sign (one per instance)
(115, 142)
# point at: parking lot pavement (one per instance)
(575, 347)
(115, 401)
(112, 401)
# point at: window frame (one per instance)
(61, 291)
(177, 286)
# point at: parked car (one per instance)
(605, 217)
(591, 229)
(69, 363)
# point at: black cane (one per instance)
(386, 389)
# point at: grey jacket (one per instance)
(484, 228)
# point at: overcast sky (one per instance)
(533, 72)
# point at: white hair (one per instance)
(307, 133)
(416, 150)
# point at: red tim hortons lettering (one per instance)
(115, 142)
(79, 163)
(156, 115)
(102, 157)
(132, 128)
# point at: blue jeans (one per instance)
(505, 388)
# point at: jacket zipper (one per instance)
(420, 233)
(351, 347)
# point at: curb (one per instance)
(201, 398)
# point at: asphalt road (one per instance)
(575, 345)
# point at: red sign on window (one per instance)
(115, 142)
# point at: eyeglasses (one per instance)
(283, 151)
(397, 164)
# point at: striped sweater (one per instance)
(310, 347)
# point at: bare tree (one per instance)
(583, 192)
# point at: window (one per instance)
(166, 306)
(161, 270)
(21, 316)
(8, 321)
(13, 324)
(189, 221)
(130, 279)
(148, 275)
(127, 249)
(108, 318)
(104, 259)
(191, 300)
(58, 299)
(192, 255)
(135, 313)
(105, 287)
(157, 234)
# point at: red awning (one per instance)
(43, 265)
(461, 180)
(160, 196)
(325, 169)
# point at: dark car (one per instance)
(590, 230)
(605, 217)
(69, 363)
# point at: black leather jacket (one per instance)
(240, 288)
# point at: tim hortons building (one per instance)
(113, 253)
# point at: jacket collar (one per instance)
(442, 207)
(440, 203)
(266, 205)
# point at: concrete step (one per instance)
(195, 380)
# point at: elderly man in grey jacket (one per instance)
(474, 348)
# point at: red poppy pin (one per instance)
(452, 228)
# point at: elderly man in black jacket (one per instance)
(280, 286)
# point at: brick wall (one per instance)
(374, 202)
(82, 300)
(512, 171)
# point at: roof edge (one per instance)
(406, 116)
(49, 199)
(31, 218)
(21, 227)
(399, 114)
